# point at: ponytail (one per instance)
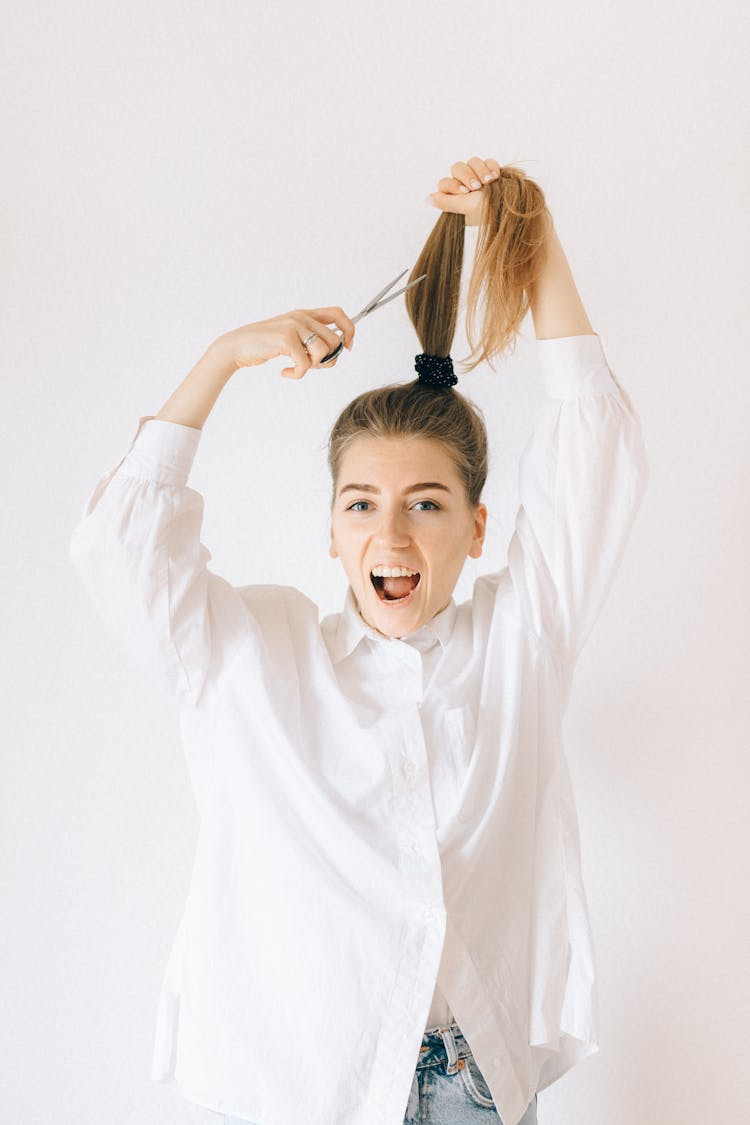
(510, 255)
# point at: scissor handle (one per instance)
(332, 355)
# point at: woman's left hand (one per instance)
(462, 190)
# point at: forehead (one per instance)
(370, 458)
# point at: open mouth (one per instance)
(395, 590)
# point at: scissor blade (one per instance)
(374, 301)
(398, 292)
(379, 303)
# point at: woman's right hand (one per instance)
(253, 344)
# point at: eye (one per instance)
(362, 505)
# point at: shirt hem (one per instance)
(207, 1101)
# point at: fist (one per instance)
(303, 335)
(462, 190)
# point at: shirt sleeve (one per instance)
(138, 552)
(582, 477)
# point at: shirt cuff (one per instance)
(574, 367)
(161, 451)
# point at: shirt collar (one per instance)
(352, 628)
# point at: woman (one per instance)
(386, 920)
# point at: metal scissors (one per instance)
(376, 302)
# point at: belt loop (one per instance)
(450, 1046)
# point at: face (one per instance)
(401, 503)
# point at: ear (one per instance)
(480, 529)
(332, 549)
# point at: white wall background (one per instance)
(173, 170)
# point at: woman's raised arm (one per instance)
(556, 307)
(249, 346)
(137, 546)
(584, 471)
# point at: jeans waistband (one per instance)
(443, 1045)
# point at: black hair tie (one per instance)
(435, 371)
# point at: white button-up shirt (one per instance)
(385, 824)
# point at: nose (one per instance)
(393, 529)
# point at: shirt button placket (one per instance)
(416, 848)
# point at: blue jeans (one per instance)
(448, 1087)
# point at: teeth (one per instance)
(392, 572)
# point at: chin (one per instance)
(400, 624)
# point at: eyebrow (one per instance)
(422, 486)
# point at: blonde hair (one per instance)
(509, 257)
